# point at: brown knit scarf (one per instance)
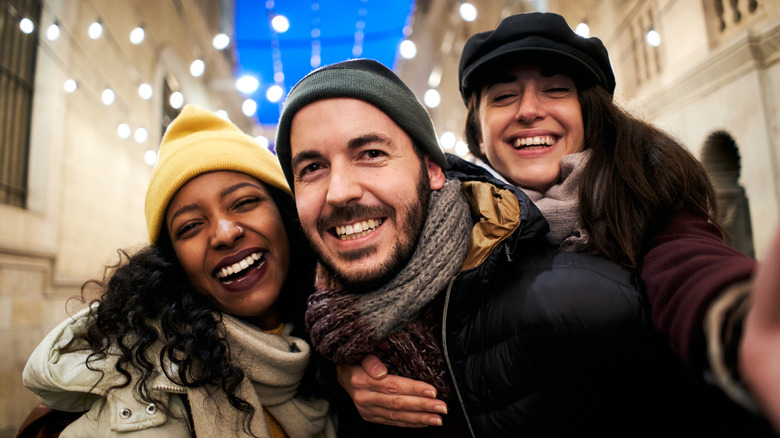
(395, 322)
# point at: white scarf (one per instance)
(274, 365)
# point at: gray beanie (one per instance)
(367, 80)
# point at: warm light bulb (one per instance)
(197, 68)
(247, 84)
(53, 32)
(582, 30)
(70, 85)
(280, 23)
(448, 140)
(137, 35)
(274, 93)
(176, 100)
(26, 25)
(95, 30)
(468, 12)
(140, 135)
(220, 41)
(150, 157)
(249, 107)
(123, 130)
(145, 91)
(408, 49)
(432, 98)
(108, 96)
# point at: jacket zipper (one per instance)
(447, 355)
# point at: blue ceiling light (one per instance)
(318, 32)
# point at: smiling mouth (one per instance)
(531, 143)
(357, 229)
(229, 274)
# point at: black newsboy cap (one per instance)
(531, 34)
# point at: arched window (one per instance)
(721, 159)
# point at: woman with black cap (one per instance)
(614, 185)
(541, 117)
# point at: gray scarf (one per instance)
(395, 321)
(560, 204)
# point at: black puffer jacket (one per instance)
(546, 343)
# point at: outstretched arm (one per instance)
(388, 399)
(759, 353)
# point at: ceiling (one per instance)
(335, 30)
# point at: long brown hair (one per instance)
(636, 179)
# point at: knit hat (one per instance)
(198, 142)
(367, 80)
(528, 36)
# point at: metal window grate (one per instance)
(17, 71)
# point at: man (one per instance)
(448, 279)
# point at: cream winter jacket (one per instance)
(273, 365)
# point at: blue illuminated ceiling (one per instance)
(336, 29)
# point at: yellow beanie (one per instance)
(197, 142)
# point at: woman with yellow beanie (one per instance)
(200, 333)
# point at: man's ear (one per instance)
(482, 148)
(435, 174)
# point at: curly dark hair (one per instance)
(147, 300)
(637, 178)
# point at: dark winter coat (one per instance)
(545, 343)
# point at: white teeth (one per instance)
(240, 266)
(540, 141)
(358, 229)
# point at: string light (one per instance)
(26, 25)
(280, 23)
(653, 38)
(95, 30)
(176, 100)
(408, 49)
(137, 35)
(145, 91)
(150, 157)
(220, 41)
(107, 96)
(53, 31)
(448, 140)
(247, 84)
(582, 30)
(123, 130)
(249, 107)
(432, 98)
(197, 68)
(274, 93)
(468, 12)
(70, 85)
(141, 135)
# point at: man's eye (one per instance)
(374, 153)
(313, 167)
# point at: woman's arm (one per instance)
(759, 352)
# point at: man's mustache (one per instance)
(352, 213)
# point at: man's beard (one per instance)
(414, 214)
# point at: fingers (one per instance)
(373, 366)
(400, 418)
(390, 399)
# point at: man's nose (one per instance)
(345, 185)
